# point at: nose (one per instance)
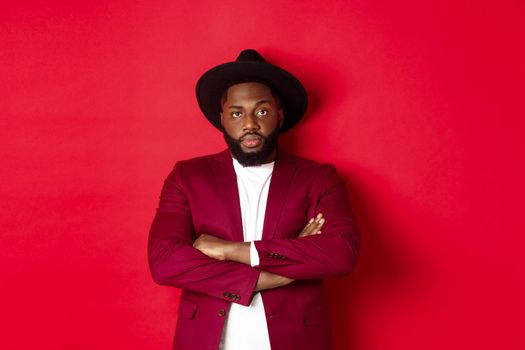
(251, 123)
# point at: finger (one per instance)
(307, 227)
(316, 228)
(306, 231)
(321, 223)
(313, 225)
(312, 229)
(316, 225)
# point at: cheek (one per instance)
(272, 124)
(230, 127)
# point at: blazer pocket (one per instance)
(315, 315)
(187, 309)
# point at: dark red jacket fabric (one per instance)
(200, 196)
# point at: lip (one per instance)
(251, 141)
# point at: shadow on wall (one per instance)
(382, 270)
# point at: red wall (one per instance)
(418, 103)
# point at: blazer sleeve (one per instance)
(333, 252)
(173, 261)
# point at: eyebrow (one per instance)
(256, 104)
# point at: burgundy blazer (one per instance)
(200, 196)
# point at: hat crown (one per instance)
(250, 55)
(250, 66)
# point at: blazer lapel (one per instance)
(282, 176)
(226, 181)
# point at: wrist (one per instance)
(237, 251)
(228, 250)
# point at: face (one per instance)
(251, 117)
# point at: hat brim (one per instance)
(291, 92)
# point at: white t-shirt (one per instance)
(245, 326)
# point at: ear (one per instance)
(281, 118)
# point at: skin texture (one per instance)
(250, 114)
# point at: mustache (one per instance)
(251, 133)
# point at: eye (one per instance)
(262, 113)
(236, 114)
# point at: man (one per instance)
(249, 233)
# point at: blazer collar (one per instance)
(227, 185)
(282, 175)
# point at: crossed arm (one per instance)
(179, 257)
(224, 250)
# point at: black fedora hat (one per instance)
(250, 66)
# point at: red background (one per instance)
(418, 103)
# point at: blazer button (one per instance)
(221, 313)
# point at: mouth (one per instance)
(251, 141)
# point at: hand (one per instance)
(268, 280)
(212, 246)
(313, 227)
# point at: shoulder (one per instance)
(312, 171)
(198, 165)
(204, 161)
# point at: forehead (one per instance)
(248, 91)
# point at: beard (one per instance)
(269, 144)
